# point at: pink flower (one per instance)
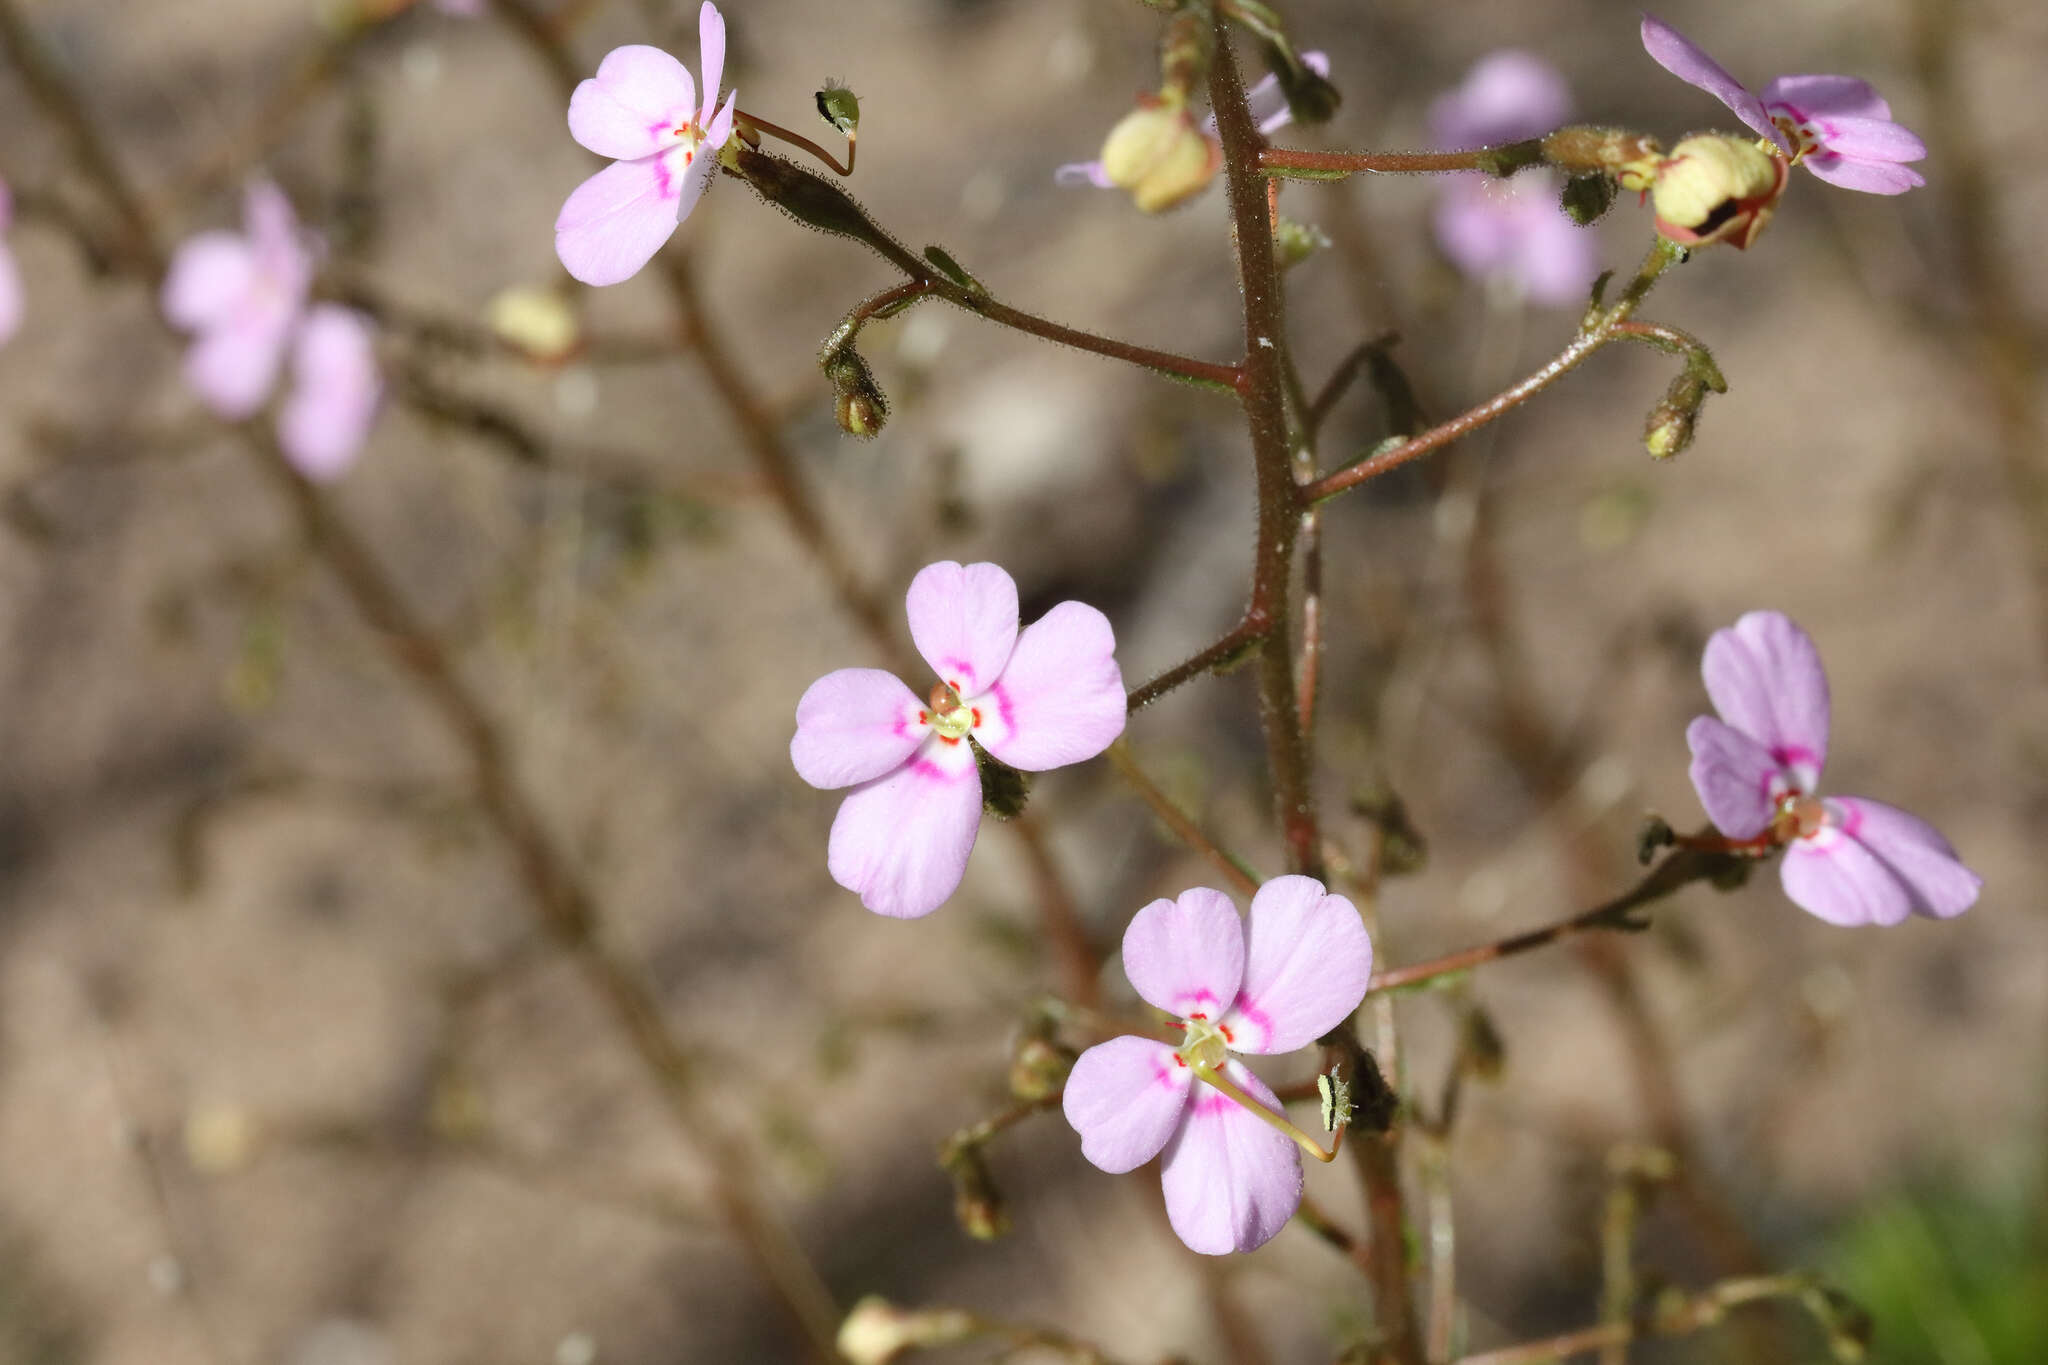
(1268, 106)
(1040, 698)
(10, 275)
(1837, 126)
(641, 109)
(1848, 859)
(245, 296)
(1295, 969)
(1511, 229)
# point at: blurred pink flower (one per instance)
(1836, 126)
(1293, 970)
(10, 274)
(464, 8)
(641, 109)
(1848, 859)
(1041, 698)
(244, 296)
(1512, 229)
(1268, 106)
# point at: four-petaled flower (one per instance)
(1836, 126)
(1848, 859)
(1510, 230)
(1039, 698)
(10, 275)
(641, 110)
(1295, 969)
(245, 296)
(1164, 159)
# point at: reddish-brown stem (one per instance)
(1225, 652)
(1262, 390)
(795, 139)
(1603, 329)
(1670, 1318)
(1679, 870)
(1284, 159)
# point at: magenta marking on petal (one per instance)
(1254, 1016)
(664, 184)
(925, 768)
(1213, 1102)
(1789, 755)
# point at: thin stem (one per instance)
(1443, 1245)
(1347, 371)
(1672, 1318)
(1605, 328)
(1215, 658)
(1336, 165)
(1679, 870)
(1234, 869)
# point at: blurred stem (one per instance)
(568, 913)
(1672, 1316)
(1301, 162)
(1678, 870)
(1234, 869)
(1603, 327)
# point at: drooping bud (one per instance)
(1717, 188)
(1674, 421)
(876, 1332)
(1038, 1068)
(1581, 148)
(1158, 154)
(1587, 198)
(977, 1203)
(859, 405)
(1311, 98)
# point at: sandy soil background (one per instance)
(286, 1071)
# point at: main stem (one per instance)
(1262, 390)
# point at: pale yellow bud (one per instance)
(1156, 153)
(1714, 187)
(536, 321)
(877, 1331)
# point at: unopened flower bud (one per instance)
(1581, 148)
(859, 405)
(1673, 421)
(1715, 187)
(1158, 154)
(877, 1331)
(539, 322)
(977, 1203)
(839, 107)
(1038, 1068)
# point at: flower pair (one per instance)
(245, 297)
(1848, 859)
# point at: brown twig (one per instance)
(1234, 870)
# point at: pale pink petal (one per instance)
(233, 367)
(1870, 177)
(1506, 96)
(273, 229)
(1913, 851)
(614, 222)
(1307, 963)
(1765, 678)
(1737, 779)
(719, 129)
(695, 173)
(902, 840)
(1186, 956)
(209, 277)
(627, 110)
(853, 726)
(1125, 1097)
(1076, 173)
(1060, 698)
(1231, 1181)
(335, 393)
(710, 55)
(1805, 97)
(1868, 139)
(1841, 881)
(963, 619)
(10, 294)
(1676, 53)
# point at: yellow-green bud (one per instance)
(877, 1331)
(1715, 187)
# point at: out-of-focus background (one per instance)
(289, 1072)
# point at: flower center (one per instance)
(1799, 816)
(1804, 139)
(949, 715)
(1207, 1044)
